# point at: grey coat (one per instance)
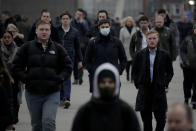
(126, 37)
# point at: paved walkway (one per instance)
(80, 95)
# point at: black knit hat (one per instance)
(106, 74)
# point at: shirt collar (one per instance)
(65, 30)
(152, 51)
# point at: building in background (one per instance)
(32, 8)
(116, 8)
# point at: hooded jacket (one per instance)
(101, 115)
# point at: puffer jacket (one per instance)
(42, 70)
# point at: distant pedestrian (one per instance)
(138, 41)
(188, 57)
(45, 16)
(169, 23)
(185, 28)
(152, 71)
(167, 40)
(106, 111)
(7, 117)
(18, 37)
(8, 49)
(104, 48)
(80, 23)
(70, 40)
(42, 65)
(126, 34)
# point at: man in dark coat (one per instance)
(69, 37)
(167, 40)
(79, 23)
(104, 48)
(106, 111)
(42, 65)
(138, 41)
(185, 28)
(152, 71)
(94, 30)
(45, 16)
(188, 56)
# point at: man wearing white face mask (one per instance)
(104, 48)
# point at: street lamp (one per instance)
(191, 2)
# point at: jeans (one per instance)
(43, 110)
(66, 90)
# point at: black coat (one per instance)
(70, 42)
(6, 99)
(97, 115)
(162, 75)
(54, 34)
(42, 71)
(105, 49)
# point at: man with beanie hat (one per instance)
(105, 111)
(188, 56)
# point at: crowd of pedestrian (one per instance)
(41, 58)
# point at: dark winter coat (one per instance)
(2, 29)
(42, 70)
(188, 52)
(167, 41)
(54, 34)
(162, 75)
(185, 29)
(136, 43)
(6, 99)
(70, 41)
(82, 29)
(105, 49)
(101, 115)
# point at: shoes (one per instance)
(67, 104)
(80, 82)
(76, 82)
(186, 101)
(194, 106)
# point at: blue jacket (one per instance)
(70, 42)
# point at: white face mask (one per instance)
(105, 31)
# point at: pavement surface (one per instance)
(80, 95)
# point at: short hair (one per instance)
(141, 13)
(103, 11)
(6, 13)
(143, 18)
(159, 17)
(104, 21)
(44, 11)
(152, 31)
(41, 22)
(80, 10)
(160, 11)
(124, 21)
(66, 13)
